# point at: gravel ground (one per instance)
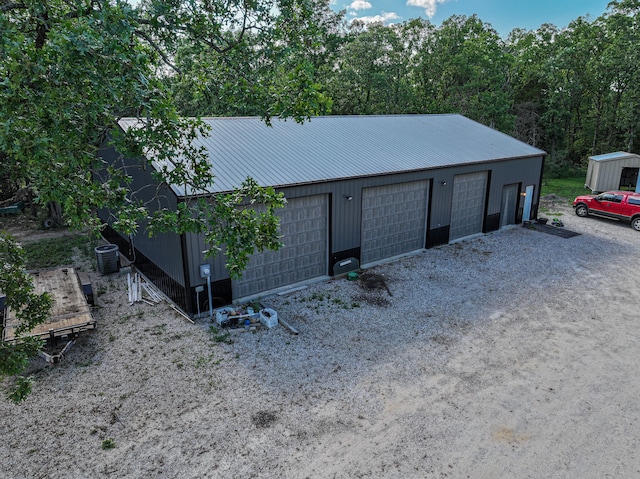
(514, 354)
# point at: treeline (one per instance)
(573, 92)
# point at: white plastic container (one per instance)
(268, 317)
(222, 315)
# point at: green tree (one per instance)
(529, 50)
(277, 78)
(617, 112)
(463, 67)
(71, 69)
(368, 75)
(30, 310)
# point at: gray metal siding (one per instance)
(346, 215)
(394, 219)
(341, 159)
(196, 247)
(164, 249)
(523, 171)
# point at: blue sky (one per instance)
(503, 15)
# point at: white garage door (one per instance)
(304, 226)
(467, 208)
(394, 219)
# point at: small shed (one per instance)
(613, 171)
(360, 190)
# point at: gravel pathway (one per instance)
(514, 354)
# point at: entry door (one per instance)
(509, 206)
(467, 207)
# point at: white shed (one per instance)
(613, 171)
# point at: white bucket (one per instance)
(268, 317)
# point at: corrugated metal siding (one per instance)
(341, 147)
(346, 217)
(164, 249)
(342, 156)
(604, 171)
(524, 171)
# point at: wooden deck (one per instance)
(70, 312)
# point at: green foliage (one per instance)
(71, 70)
(15, 356)
(368, 75)
(573, 92)
(29, 308)
(463, 67)
(567, 188)
(108, 444)
(218, 336)
(21, 389)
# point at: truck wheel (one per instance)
(635, 223)
(582, 210)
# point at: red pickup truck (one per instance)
(619, 205)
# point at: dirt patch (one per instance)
(24, 227)
(374, 282)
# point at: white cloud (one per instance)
(360, 5)
(384, 18)
(428, 5)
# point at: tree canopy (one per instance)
(71, 69)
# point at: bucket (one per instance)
(108, 258)
(268, 317)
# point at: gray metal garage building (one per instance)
(359, 189)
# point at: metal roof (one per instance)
(339, 147)
(613, 156)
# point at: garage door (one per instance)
(394, 219)
(304, 226)
(467, 207)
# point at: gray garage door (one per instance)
(394, 219)
(304, 226)
(467, 207)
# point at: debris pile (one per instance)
(246, 317)
(141, 290)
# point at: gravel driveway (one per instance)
(511, 355)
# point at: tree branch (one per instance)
(157, 48)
